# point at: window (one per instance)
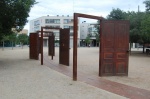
(67, 26)
(37, 28)
(56, 34)
(55, 26)
(71, 33)
(71, 27)
(37, 22)
(55, 21)
(67, 21)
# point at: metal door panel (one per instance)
(51, 47)
(114, 47)
(34, 46)
(64, 46)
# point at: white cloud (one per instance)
(93, 7)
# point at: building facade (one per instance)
(88, 30)
(54, 21)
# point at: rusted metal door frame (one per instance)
(47, 32)
(42, 30)
(75, 37)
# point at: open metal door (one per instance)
(64, 46)
(39, 45)
(114, 48)
(34, 46)
(51, 47)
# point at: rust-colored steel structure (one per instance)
(36, 43)
(34, 46)
(51, 46)
(75, 35)
(46, 34)
(41, 43)
(113, 61)
(64, 46)
(114, 47)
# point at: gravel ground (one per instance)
(88, 63)
(21, 78)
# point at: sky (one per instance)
(91, 7)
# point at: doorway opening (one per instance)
(113, 49)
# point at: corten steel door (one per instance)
(64, 46)
(39, 45)
(114, 48)
(34, 48)
(51, 47)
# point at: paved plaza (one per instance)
(88, 63)
(22, 78)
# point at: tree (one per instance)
(139, 23)
(12, 38)
(97, 33)
(87, 40)
(145, 30)
(135, 19)
(139, 28)
(13, 14)
(135, 25)
(136, 34)
(4, 38)
(23, 38)
(147, 5)
(116, 14)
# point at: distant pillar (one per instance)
(47, 42)
(133, 45)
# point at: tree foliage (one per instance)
(135, 26)
(145, 29)
(4, 38)
(12, 38)
(13, 14)
(116, 14)
(97, 32)
(139, 23)
(23, 38)
(147, 5)
(87, 40)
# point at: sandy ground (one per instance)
(88, 63)
(21, 78)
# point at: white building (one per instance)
(54, 21)
(87, 29)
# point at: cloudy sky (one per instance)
(92, 7)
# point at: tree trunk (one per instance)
(22, 45)
(3, 45)
(12, 45)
